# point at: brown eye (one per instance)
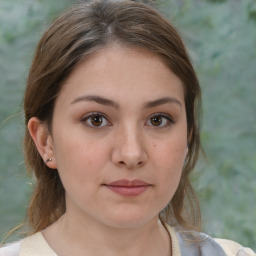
(160, 120)
(156, 120)
(96, 120)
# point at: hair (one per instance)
(80, 31)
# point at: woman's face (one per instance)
(119, 136)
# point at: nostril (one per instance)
(140, 163)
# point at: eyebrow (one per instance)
(98, 99)
(162, 101)
(107, 102)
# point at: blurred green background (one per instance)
(221, 39)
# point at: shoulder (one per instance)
(196, 243)
(10, 249)
(35, 245)
(29, 246)
(232, 248)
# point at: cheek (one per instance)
(78, 160)
(168, 164)
(169, 161)
(78, 149)
(171, 154)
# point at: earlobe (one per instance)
(43, 140)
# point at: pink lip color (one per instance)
(128, 187)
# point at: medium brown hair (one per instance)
(71, 38)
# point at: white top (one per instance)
(36, 245)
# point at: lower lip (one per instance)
(128, 191)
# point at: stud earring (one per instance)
(48, 160)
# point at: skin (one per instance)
(133, 139)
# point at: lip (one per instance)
(126, 187)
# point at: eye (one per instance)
(160, 120)
(96, 120)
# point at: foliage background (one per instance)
(221, 39)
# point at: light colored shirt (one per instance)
(36, 245)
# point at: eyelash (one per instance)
(167, 118)
(88, 120)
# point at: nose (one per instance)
(129, 150)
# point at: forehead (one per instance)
(123, 72)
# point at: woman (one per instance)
(111, 107)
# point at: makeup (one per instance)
(130, 188)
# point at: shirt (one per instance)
(36, 245)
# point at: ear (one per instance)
(43, 140)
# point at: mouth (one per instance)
(128, 187)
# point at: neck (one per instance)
(77, 236)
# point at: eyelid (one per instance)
(91, 114)
(168, 116)
(163, 115)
